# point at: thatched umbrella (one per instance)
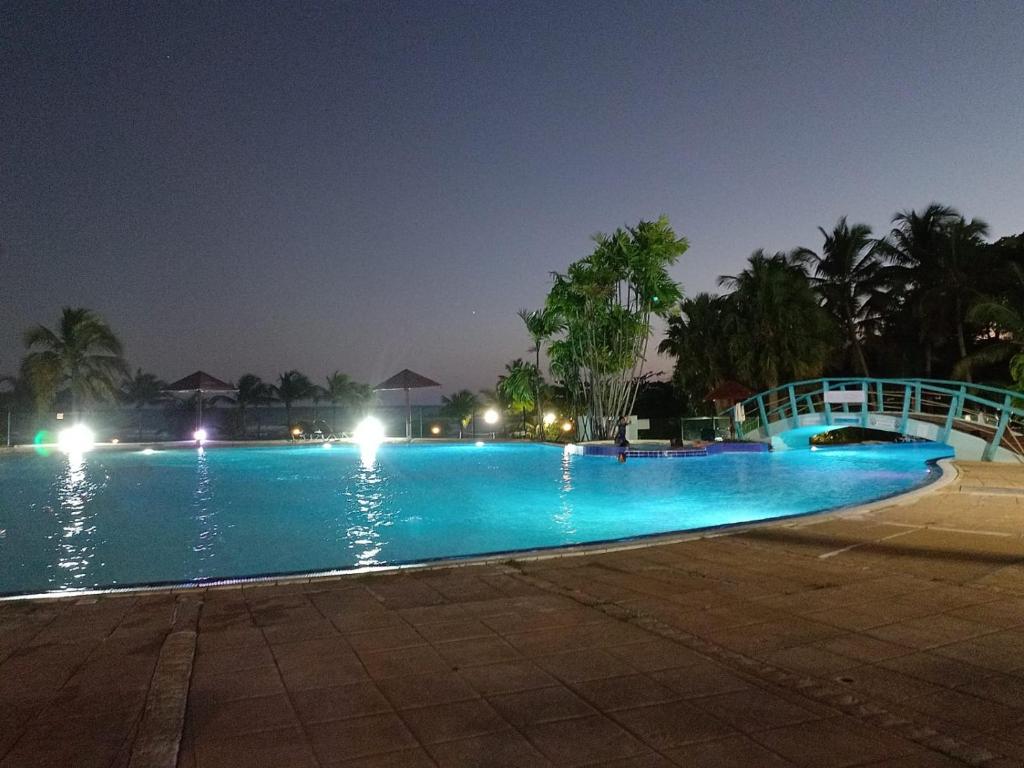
(406, 380)
(198, 384)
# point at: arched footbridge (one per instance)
(978, 422)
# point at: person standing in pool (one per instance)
(620, 438)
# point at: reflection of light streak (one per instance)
(564, 517)
(204, 511)
(368, 513)
(75, 545)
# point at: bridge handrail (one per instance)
(938, 386)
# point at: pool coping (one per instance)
(948, 474)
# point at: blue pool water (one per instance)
(125, 517)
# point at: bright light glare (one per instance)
(369, 432)
(435, 430)
(491, 416)
(76, 439)
(479, 443)
(327, 446)
(115, 441)
(566, 426)
(549, 418)
(148, 451)
(199, 436)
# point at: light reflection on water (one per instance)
(564, 517)
(75, 535)
(204, 511)
(366, 514)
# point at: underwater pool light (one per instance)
(76, 439)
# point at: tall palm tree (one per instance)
(351, 394)
(82, 356)
(694, 339)
(518, 385)
(460, 406)
(292, 386)
(776, 328)
(141, 390)
(541, 324)
(252, 391)
(928, 273)
(845, 275)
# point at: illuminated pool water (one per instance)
(127, 517)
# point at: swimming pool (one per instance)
(127, 517)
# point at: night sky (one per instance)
(371, 186)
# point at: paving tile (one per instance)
(215, 640)
(233, 659)
(284, 748)
(339, 702)
(882, 684)
(612, 693)
(347, 623)
(646, 760)
(732, 752)
(476, 651)
(507, 677)
(406, 758)
(540, 705)
(704, 679)
(404, 661)
(231, 718)
(970, 711)
(459, 629)
(409, 691)
(672, 724)
(582, 741)
(340, 740)
(754, 709)
(929, 632)
(292, 632)
(402, 636)
(808, 660)
(938, 670)
(833, 743)
(588, 665)
(458, 720)
(261, 681)
(506, 749)
(655, 655)
(864, 647)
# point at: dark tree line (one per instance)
(931, 298)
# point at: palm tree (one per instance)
(844, 275)
(351, 394)
(1006, 320)
(292, 386)
(928, 273)
(141, 390)
(461, 406)
(776, 328)
(518, 385)
(541, 324)
(694, 339)
(82, 356)
(252, 391)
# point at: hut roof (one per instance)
(407, 379)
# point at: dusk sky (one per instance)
(371, 186)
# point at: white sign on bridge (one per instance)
(846, 396)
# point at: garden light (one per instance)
(549, 419)
(199, 436)
(435, 430)
(76, 439)
(566, 426)
(491, 416)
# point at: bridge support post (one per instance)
(864, 406)
(826, 403)
(792, 407)
(1004, 418)
(905, 416)
(954, 406)
(764, 416)
(880, 397)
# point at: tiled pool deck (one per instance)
(890, 638)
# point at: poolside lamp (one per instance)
(566, 426)
(435, 430)
(76, 439)
(199, 435)
(491, 416)
(549, 419)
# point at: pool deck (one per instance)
(890, 637)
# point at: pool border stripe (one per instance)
(943, 472)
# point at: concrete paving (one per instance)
(888, 638)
